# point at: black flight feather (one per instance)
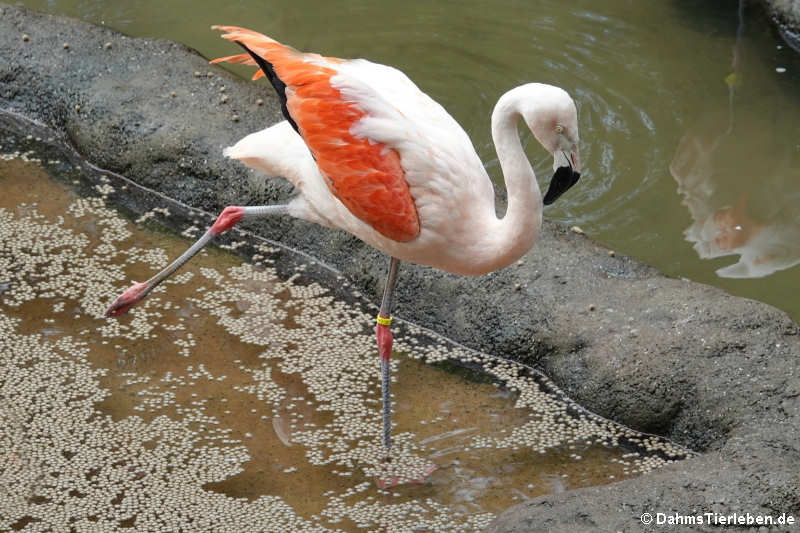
(276, 82)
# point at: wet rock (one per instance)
(786, 15)
(713, 372)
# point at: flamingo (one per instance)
(373, 155)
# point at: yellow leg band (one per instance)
(384, 321)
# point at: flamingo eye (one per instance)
(559, 128)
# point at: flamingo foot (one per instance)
(388, 481)
(127, 299)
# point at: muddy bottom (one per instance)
(241, 397)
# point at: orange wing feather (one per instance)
(367, 177)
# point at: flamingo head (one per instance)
(553, 119)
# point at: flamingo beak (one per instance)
(566, 175)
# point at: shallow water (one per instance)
(245, 396)
(689, 111)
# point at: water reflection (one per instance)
(757, 219)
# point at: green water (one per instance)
(689, 112)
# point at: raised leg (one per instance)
(384, 337)
(229, 217)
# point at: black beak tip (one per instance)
(563, 179)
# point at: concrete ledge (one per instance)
(713, 372)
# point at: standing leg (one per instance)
(391, 476)
(384, 337)
(229, 217)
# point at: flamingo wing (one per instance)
(364, 174)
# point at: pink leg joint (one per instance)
(384, 336)
(229, 217)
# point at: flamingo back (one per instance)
(365, 175)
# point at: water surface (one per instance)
(245, 395)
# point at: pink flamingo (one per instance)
(372, 154)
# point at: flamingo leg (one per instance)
(390, 477)
(384, 337)
(229, 217)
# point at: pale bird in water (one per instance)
(373, 155)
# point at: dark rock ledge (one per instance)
(785, 15)
(713, 372)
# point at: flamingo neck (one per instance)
(515, 233)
